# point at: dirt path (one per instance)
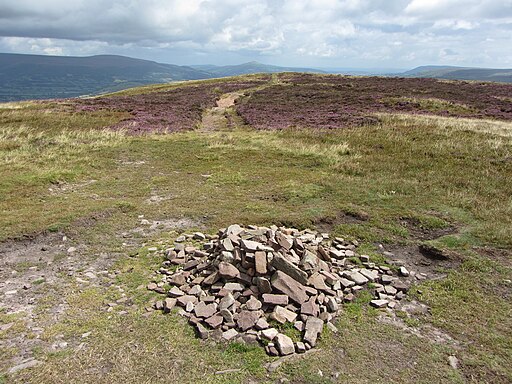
(218, 117)
(215, 119)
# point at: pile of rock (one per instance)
(244, 283)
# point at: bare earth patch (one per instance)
(36, 276)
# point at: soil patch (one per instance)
(329, 223)
(38, 271)
(421, 232)
(411, 257)
(500, 255)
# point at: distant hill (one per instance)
(250, 67)
(25, 77)
(461, 73)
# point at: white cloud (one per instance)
(292, 32)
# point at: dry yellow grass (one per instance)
(491, 127)
(19, 145)
(332, 155)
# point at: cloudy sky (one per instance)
(321, 33)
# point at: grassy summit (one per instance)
(397, 162)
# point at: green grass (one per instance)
(62, 170)
(482, 314)
(403, 178)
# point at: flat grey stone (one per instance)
(332, 304)
(260, 262)
(314, 327)
(176, 292)
(215, 321)
(299, 326)
(199, 236)
(358, 278)
(227, 315)
(184, 300)
(189, 307)
(370, 275)
(300, 347)
(269, 333)
(229, 334)
(284, 241)
(284, 344)
(253, 304)
(386, 279)
(247, 319)
(346, 283)
(283, 315)
(205, 310)
(379, 303)
(251, 245)
(318, 281)
(228, 271)
(234, 287)
(227, 244)
(169, 303)
(227, 301)
(261, 324)
(390, 290)
(227, 256)
(310, 307)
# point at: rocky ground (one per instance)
(242, 280)
(242, 285)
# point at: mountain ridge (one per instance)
(461, 73)
(25, 77)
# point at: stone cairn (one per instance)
(244, 280)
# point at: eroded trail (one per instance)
(223, 116)
(216, 118)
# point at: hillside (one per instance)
(38, 77)
(24, 77)
(462, 73)
(123, 258)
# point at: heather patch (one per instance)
(330, 102)
(171, 110)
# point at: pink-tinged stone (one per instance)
(290, 287)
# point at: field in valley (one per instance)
(417, 168)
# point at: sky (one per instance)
(314, 33)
